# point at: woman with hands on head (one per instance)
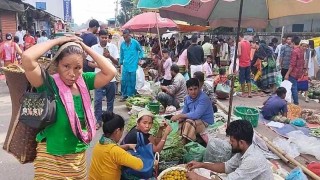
(107, 156)
(66, 140)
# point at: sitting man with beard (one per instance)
(247, 163)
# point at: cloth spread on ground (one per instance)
(286, 128)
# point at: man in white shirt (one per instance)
(278, 49)
(20, 33)
(111, 52)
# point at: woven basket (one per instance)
(47, 63)
(20, 139)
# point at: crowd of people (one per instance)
(14, 44)
(192, 76)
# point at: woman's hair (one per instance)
(111, 122)
(72, 49)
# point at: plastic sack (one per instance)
(140, 78)
(222, 91)
(146, 89)
(278, 79)
(299, 122)
(287, 84)
(314, 167)
(186, 76)
(296, 174)
(290, 148)
(193, 152)
(217, 150)
(305, 144)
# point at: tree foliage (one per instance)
(128, 10)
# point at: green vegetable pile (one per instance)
(315, 132)
(133, 122)
(140, 101)
(237, 87)
(314, 94)
(173, 149)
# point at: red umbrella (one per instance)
(147, 21)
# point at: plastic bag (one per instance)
(296, 174)
(305, 144)
(314, 167)
(287, 84)
(146, 89)
(186, 76)
(140, 77)
(278, 79)
(290, 148)
(299, 122)
(217, 150)
(193, 152)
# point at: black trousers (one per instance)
(283, 73)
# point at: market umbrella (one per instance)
(256, 13)
(147, 21)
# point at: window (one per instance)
(41, 5)
(297, 27)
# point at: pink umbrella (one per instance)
(147, 21)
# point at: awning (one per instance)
(11, 6)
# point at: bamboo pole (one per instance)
(290, 159)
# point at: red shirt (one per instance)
(29, 41)
(297, 63)
(244, 59)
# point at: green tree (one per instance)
(128, 10)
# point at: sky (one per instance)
(83, 10)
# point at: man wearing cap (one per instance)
(89, 38)
(9, 50)
(195, 55)
(130, 53)
(297, 66)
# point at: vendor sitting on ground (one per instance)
(197, 112)
(207, 89)
(173, 94)
(222, 78)
(247, 163)
(144, 125)
(275, 108)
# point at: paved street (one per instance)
(11, 169)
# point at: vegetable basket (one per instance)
(176, 168)
(165, 165)
(247, 113)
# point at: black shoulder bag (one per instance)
(38, 109)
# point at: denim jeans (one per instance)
(294, 90)
(109, 91)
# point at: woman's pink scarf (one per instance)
(67, 100)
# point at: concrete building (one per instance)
(54, 7)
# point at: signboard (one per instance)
(67, 10)
(41, 5)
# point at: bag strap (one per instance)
(140, 139)
(45, 78)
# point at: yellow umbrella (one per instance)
(316, 41)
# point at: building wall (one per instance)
(8, 22)
(307, 25)
(54, 7)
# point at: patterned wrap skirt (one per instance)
(70, 166)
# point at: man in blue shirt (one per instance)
(130, 53)
(89, 38)
(197, 112)
(276, 106)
